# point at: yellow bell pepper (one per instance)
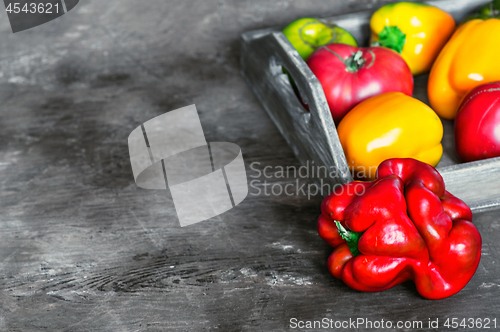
(469, 59)
(416, 30)
(389, 125)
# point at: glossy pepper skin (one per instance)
(477, 126)
(469, 59)
(416, 30)
(402, 226)
(390, 125)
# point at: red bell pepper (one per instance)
(402, 226)
(477, 124)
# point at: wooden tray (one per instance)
(312, 135)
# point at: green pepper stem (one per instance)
(491, 9)
(391, 37)
(495, 8)
(352, 238)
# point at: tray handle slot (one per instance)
(290, 92)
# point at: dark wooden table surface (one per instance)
(82, 248)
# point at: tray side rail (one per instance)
(311, 134)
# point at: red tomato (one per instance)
(351, 74)
(477, 125)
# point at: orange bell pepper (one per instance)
(469, 59)
(416, 30)
(389, 125)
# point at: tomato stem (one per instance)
(355, 62)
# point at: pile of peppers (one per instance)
(423, 39)
(402, 226)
